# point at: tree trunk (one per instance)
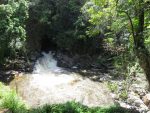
(144, 61)
(141, 51)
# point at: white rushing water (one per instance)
(50, 84)
(47, 74)
(46, 64)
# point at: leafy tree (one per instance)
(130, 17)
(13, 15)
(62, 22)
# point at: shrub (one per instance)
(10, 100)
(13, 16)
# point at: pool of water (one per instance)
(50, 84)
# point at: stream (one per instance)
(50, 84)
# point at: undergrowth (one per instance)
(10, 100)
(73, 107)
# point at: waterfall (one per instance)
(46, 73)
(46, 64)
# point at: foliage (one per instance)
(62, 22)
(113, 15)
(123, 23)
(123, 95)
(113, 87)
(10, 100)
(72, 107)
(13, 16)
(118, 18)
(59, 16)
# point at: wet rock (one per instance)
(64, 61)
(68, 61)
(132, 97)
(143, 107)
(94, 77)
(146, 100)
(124, 105)
(136, 86)
(114, 96)
(84, 71)
(139, 90)
(138, 102)
(106, 77)
(34, 56)
(74, 67)
(83, 61)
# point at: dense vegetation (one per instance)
(62, 24)
(13, 16)
(127, 20)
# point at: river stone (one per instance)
(138, 102)
(143, 107)
(132, 97)
(50, 88)
(146, 99)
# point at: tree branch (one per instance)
(132, 27)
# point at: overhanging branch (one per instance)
(132, 26)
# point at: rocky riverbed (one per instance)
(131, 93)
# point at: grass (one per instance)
(10, 100)
(73, 107)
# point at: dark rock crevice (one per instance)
(47, 45)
